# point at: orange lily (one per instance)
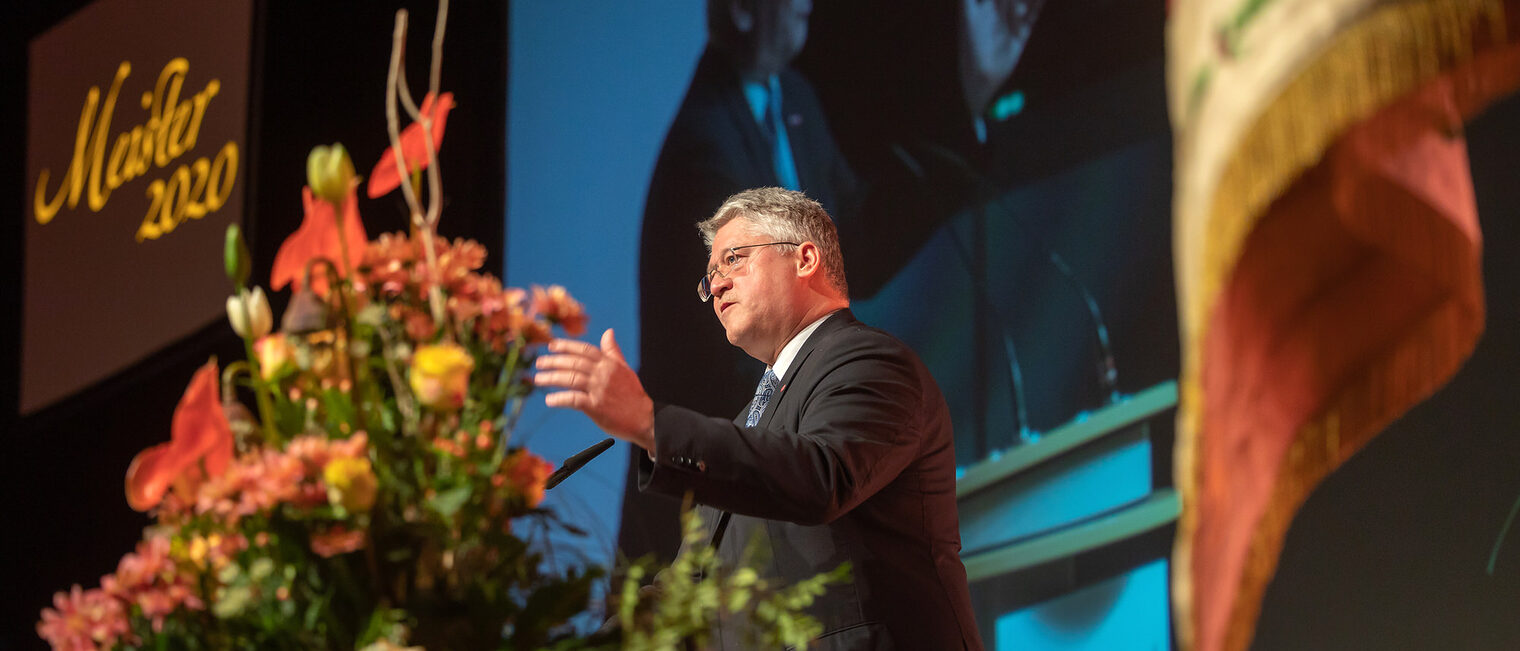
(318, 237)
(386, 177)
(200, 445)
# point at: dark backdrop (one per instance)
(1389, 553)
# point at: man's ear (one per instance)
(742, 13)
(809, 259)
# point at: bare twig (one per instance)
(435, 175)
(443, 14)
(408, 104)
(425, 224)
(392, 122)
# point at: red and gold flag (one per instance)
(1328, 255)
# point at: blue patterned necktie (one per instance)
(763, 393)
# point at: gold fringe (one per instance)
(1381, 57)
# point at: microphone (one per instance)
(575, 462)
(1108, 372)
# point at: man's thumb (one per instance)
(610, 346)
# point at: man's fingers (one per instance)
(567, 399)
(572, 347)
(562, 379)
(565, 362)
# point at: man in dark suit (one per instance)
(844, 454)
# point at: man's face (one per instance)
(756, 299)
(781, 29)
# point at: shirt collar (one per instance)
(790, 350)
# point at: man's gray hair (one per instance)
(782, 215)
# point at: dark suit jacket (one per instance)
(852, 460)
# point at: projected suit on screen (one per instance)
(748, 120)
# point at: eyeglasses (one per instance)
(730, 262)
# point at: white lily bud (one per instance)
(249, 313)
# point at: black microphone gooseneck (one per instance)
(575, 462)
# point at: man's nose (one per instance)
(718, 286)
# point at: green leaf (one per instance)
(340, 409)
(448, 502)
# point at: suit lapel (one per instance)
(836, 321)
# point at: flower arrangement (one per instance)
(373, 498)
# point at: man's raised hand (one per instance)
(599, 383)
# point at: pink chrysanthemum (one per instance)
(556, 305)
(315, 451)
(388, 262)
(337, 540)
(456, 261)
(83, 620)
(151, 579)
(503, 315)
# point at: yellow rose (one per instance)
(276, 356)
(440, 375)
(351, 483)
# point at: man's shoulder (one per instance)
(714, 88)
(845, 335)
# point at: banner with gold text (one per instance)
(136, 163)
